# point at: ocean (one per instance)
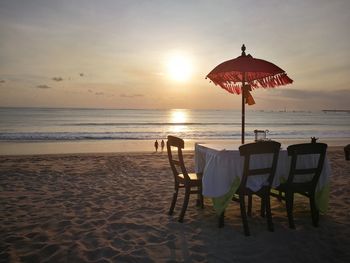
(82, 125)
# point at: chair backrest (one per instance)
(176, 160)
(298, 150)
(257, 148)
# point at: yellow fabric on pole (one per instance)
(249, 98)
(247, 95)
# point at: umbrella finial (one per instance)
(243, 50)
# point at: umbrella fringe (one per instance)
(231, 83)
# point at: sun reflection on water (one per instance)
(178, 117)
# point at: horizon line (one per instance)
(228, 109)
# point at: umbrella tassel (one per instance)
(238, 90)
(279, 80)
(285, 79)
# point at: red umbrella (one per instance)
(245, 73)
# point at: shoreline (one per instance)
(9, 148)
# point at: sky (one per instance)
(157, 53)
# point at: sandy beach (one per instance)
(113, 208)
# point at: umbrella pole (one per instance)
(243, 117)
(243, 108)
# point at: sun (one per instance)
(179, 67)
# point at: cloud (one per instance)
(131, 95)
(57, 78)
(303, 98)
(2, 81)
(43, 87)
(314, 94)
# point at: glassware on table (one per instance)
(261, 135)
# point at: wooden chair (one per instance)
(306, 188)
(247, 151)
(191, 182)
(347, 152)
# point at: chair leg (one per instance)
(222, 219)
(184, 206)
(244, 215)
(263, 207)
(268, 211)
(250, 202)
(289, 207)
(314, 211)
(200, 199)
(279, 197)
(173, 202)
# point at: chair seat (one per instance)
(195, 179)
(245, 190)
(295, 187)
(193, 176)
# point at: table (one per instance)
(222, 168)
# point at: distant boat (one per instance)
(325, 111)
(285, 110)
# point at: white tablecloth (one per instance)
(221, 165)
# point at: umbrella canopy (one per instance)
(245, 73)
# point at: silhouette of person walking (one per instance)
(156, 145)
(162, 144)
